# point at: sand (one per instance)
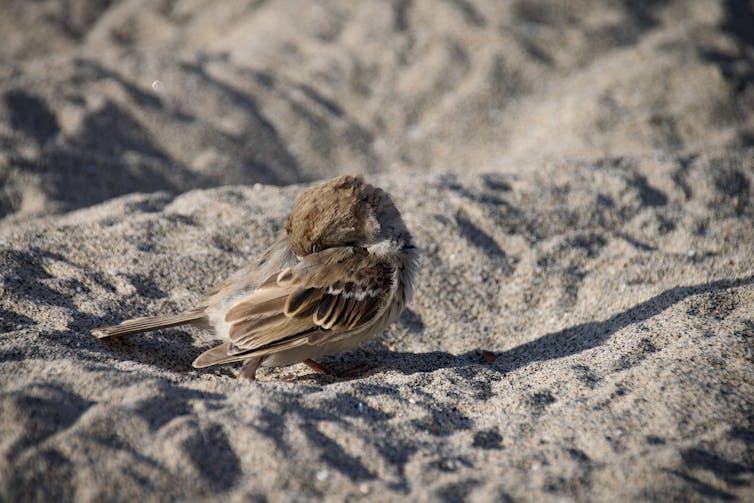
(579, 177)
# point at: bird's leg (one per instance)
(249, 369)
(318, 368)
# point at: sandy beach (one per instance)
(579, 178)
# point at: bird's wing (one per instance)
(327, 294)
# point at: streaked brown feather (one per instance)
(325, 307)
(297, 309)
(332, 316)
(301, 300)
(365, 312)
(255, 338)
(254, 325)
(217, 355)
(319, 336)
(229, 352)
(260, 302)
(350, 312)
(289, 342)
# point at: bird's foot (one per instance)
(318, 367)
(249, 369)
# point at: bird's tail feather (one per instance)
(149, 323)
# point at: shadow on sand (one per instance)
(569, 341)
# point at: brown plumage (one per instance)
(340, 274)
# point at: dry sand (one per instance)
(579, 176)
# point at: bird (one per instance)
(339, 274)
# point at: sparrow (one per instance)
(340, 273)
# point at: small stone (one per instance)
(488, 356)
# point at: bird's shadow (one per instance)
(566, 342)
